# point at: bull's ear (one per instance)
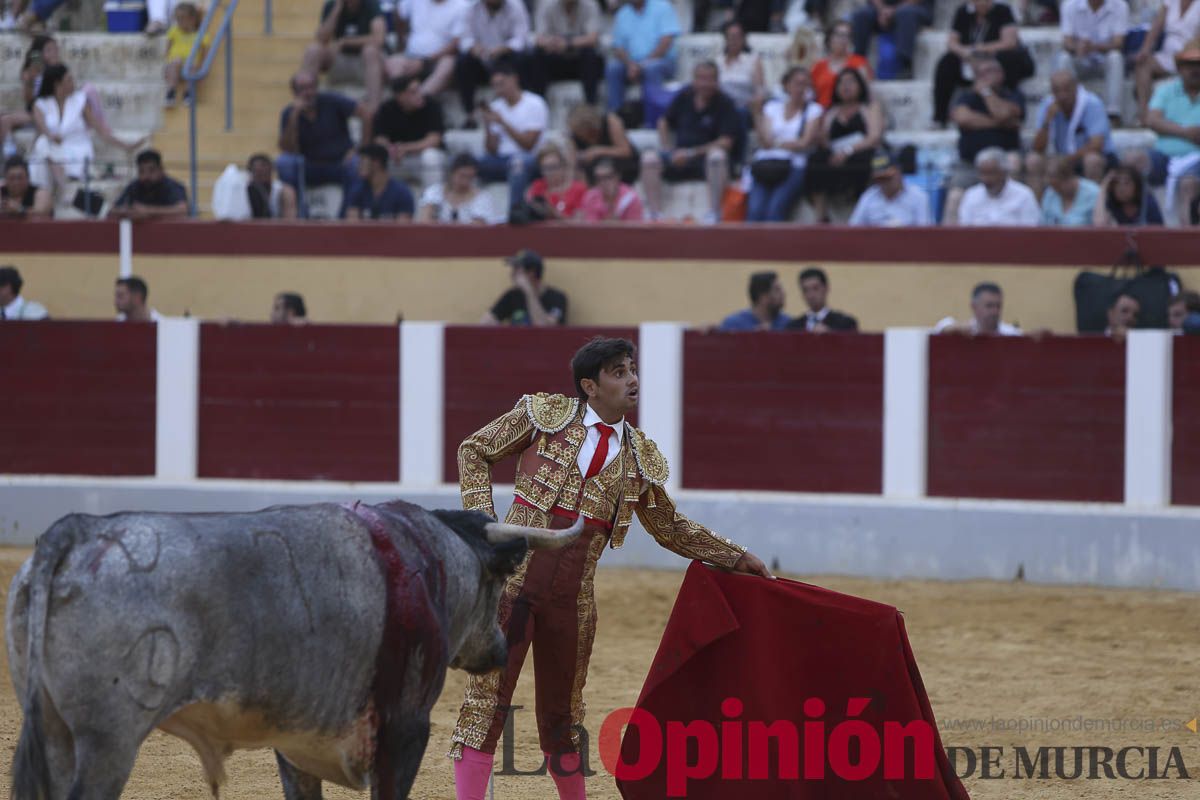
(506, 557)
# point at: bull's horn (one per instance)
(536, 538)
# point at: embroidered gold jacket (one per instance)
(548, 431)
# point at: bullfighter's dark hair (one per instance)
(294, 303)
(815, 272)
(135, 285)
(986, 286)
(760, 284)
(597, 355)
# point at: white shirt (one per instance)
(784, 129)
(477, 209)
(432, 24)
(530, 113)
(154, 316)
(1100, 27)
(591, 419)
(909, 208)
(1003, 329)
(1015, 205)
(20, 308)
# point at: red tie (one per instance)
(598, 458)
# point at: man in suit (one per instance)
(814, 285)
(578, 457)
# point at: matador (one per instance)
(578, 457)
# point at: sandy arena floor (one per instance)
(986, 650)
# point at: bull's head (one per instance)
(485, 648)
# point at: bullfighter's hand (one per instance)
(752, 565)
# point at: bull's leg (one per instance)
(406, 740)
(60, 751)
(297, 785)
(102, 766)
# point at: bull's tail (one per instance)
(31, 771)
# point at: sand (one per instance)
(1007, 652)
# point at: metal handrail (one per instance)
(192, 75)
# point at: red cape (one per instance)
(773, 645)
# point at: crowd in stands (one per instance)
(820, 136)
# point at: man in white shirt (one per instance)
(1093, 45)
(515, 122)
(987, 304)
(12, 305)
(129, 297)
(890, 202)
(997, 199)
(493, 31)
(433, 29)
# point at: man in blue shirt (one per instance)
(1072, 124)
(377, 195)
(643, 48)
(766, 307)
(313, 131)
(1175, 116)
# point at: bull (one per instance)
(323, 632)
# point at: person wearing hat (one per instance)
(528, 302)
(889, 201)
(1175, 116)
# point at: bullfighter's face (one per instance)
(615, 393)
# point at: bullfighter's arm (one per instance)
(677, 533)
(499, 439)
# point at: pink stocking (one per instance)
(570, 782)
(471, 774)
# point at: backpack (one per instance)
(1153, 287)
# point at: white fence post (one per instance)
(660, 385)
(125, 228)
(1149, 388)
(905, 411)
(422, 396)
(178, 399)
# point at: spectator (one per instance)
(739, 70)
(288, 309)
(1175, 116)
(1123, 200)
(377, 195)
(997, 199)
(595, 136)
(643, 49)
(19, 198)
(987, 116)
(1069, 199)
(890, 202)
(1093, 45)
(820, 318)
(838, 56)
(567, 46)
(905, 17)
(432, 31)
(610, 199)
(153, 195)
(850, 131)
(44, 52)
(804, 49)
(757, 16)
(704, 124)
(516, 121)
(1072, 124)
(350, 46)
(556, 193)
(987, 307)
(409, 124)
(460, 199)
(181, 37)
(158, 13)
(787, 130)
(494, 32)
(982, 27)
(64, 120)
(766, 307)
(270, 198)
(129, 297)
(528, 303)
(1176, 26)
(1177, 311)
(12, 305)
(314, 135)
(1123, 312)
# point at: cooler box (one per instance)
(125, 16)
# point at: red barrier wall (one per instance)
(311, 402)
(78, 398)
(1185, 446)
(785, 412)
(1027, 419)
(488, 369)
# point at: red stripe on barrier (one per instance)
(1185, 452)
